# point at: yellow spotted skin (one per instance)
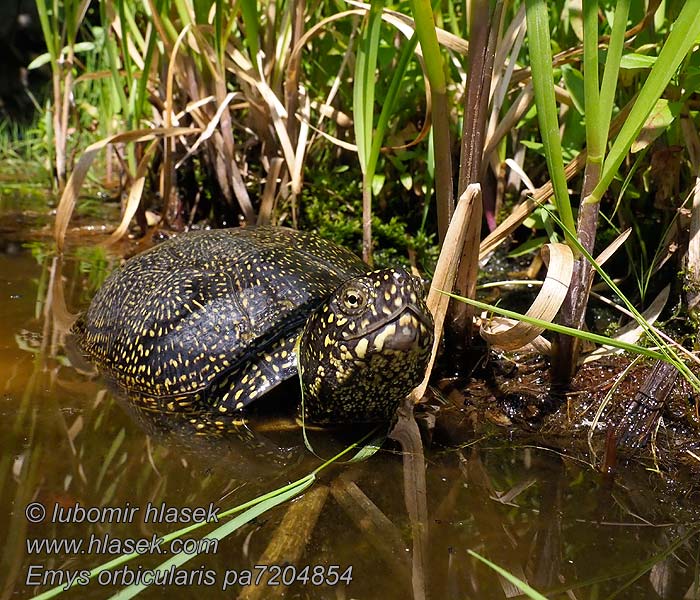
(210, 321)
(362, 351)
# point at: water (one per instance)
(71, 448)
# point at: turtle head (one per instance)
(365, 348)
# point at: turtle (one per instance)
(212, 320)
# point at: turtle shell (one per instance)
(181, 316)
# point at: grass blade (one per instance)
(556, 328)
(612, 67)
(252, 508)
(389, 103)
(685, 32)
(521, 585)
(426, 31)
(364, 84)
(221, 532)
(595, 138)
(251, 19)
(543, 83)
(363, 114)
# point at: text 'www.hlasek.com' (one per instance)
(102, 542)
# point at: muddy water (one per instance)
(70, 449)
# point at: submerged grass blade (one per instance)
(223, 531)
(521, 585)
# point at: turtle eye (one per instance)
(354, 299)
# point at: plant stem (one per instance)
(483, 41)
(599, 105)
(434, 69)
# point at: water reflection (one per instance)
(539, 512)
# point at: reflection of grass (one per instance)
(28, 476)
(630, 572)
(94, 265)
(249, 511)
(28, 460)
(633, 572)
